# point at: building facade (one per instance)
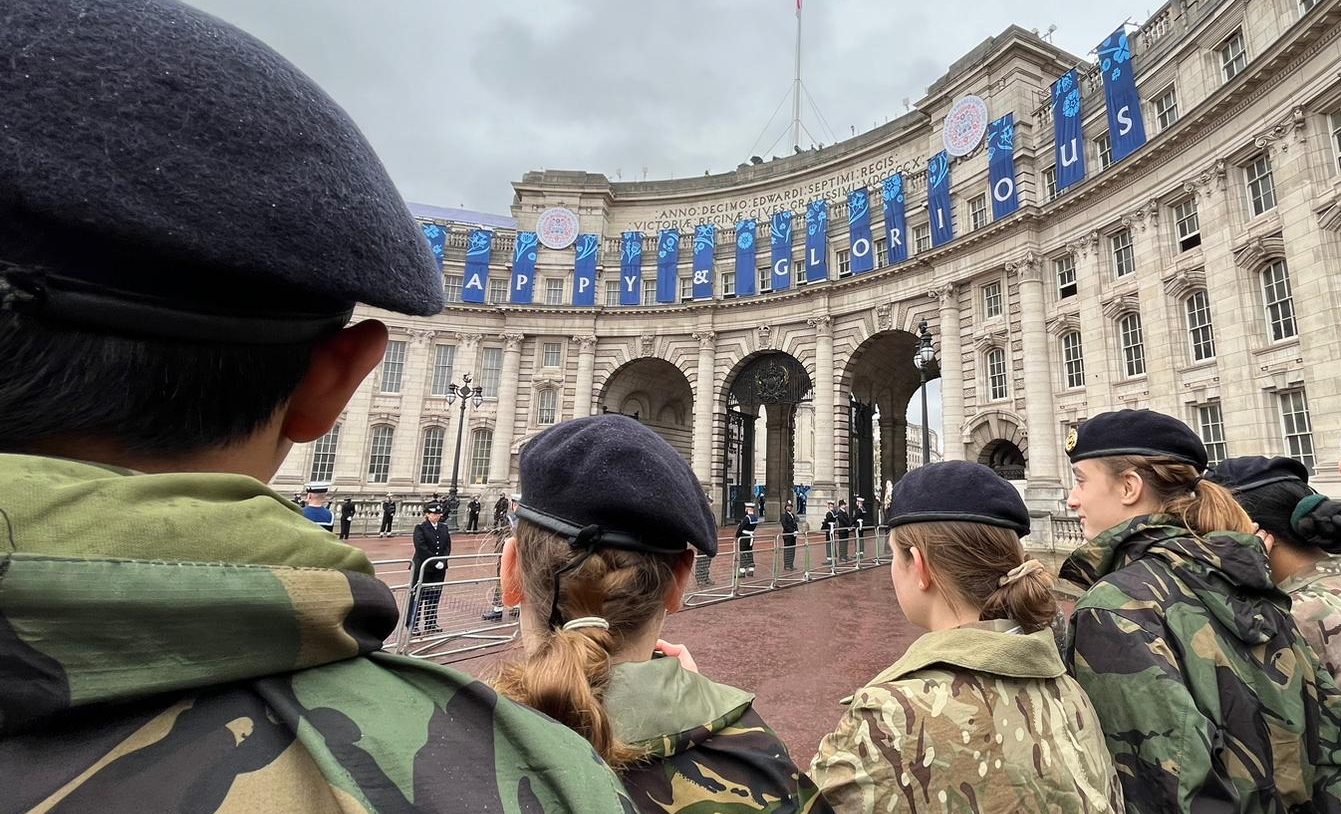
(1199, 276)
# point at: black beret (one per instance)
(600, 471)
(1136, 432)
(162, 172)
(957, 491)
(1253, 471)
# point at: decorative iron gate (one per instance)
(860, 453)
(738, 483)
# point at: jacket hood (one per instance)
(662, 707)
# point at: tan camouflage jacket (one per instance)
(1315, 603)
(974, 719)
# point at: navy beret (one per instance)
(1136, 432)
(957, 491)
(1254, 471)
(163, 173)
(433, 508)
(612, 472)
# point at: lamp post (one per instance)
(469, 395)
(924, 357)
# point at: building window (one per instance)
(1073, 359)
(1186, 224)
(1279, 301)
(1198, 307)
(1334, 122)
(379, 454)
(1124, 259)
(547, 405)
(498, 292)
(1305, 6)
(553, 354)
(451, 287)
(491, 370)
(649, 292)
(1050, 184)
(922, 238)
(1166, 108)
(323, 455)
(430, 462)
(1298, 428)
(686, 289)
(1212, 432)
(612, 292)
(444, 358)
(991, 300)
(481, 446)
(729, 284)
(1133, 346)
(1261, 188)
(1065, 267)
(765, 280)
(1233, 58)
(553, 291)
(844, 262)
(1104, 145)
(393, 365)
(879, 255)
(996, 375)
(978, 212)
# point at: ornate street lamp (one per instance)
(469, 395)
(924, 357)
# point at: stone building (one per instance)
(1200, 276)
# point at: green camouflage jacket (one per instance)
(710, 753)
(1315, 603)
(1209, 697)
(975, 719)
(191, 643)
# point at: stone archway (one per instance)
(656, 393)
(997, 438)
(1005, 459)
(769, 385)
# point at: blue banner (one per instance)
(1001, 166)
(817, 242)
(1126, 130)
(745, 258)
(896, 223)
(938, 199)
(782, 251)
(862, 257)
(477, 265)
(437, 239)
(631, 268)
(584, 269)
(523, 268)
(1068, 137)
(705, 242)
(668, 257)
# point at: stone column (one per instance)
(952, 375)
(824, 426)
(586, 361)
(500, 456)
(1045, 485)
(704, 390)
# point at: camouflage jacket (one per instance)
(709, 751)
(1209, 697)
(192, 643)
(973, 719)
(1315, 603)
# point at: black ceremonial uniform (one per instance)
(789, 528)
(346, 518)
(473, 515)
(430, 540)
(861, 518)
(388, 515)
(745, 539)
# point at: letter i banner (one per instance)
(1001, 166)
(631, 268)
(705, 243)
(523, 268)
(817, 241)
(745, 257)
(859, 231)
(668, 257)
(938, 199)
(437, 239)
(896, 223)
(781, 268)
(1126, 130)
(478, 251)
(584, 270)
(1069, 138)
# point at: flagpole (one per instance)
(796, 85)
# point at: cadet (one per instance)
(1301, 530)
(316, 510)
(1208, 695)
(979, 713)
(186, 223)
(431, 541)
(596, 566)
(745, 541)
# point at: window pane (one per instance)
(991, 300)
(553, 352)
(1073, 359)
(978, 212)
(547, 406)
(612, 292)
(1066, 276)
(1279, 301)
(1049, 183)
(921, 239)
(444, 358)
(451, 287)
(1105, 149)
(379, 454)
(1212, 432)
(491, 369)
(1124, 259)
(481, 445)
(1298, 428)
(553, 291)
(430, 462)
(996, 374)
(498, 291)
(1199, 326)
(1233, 58)
(1166, 108)
(1133, 348)
(649, 292)
(1186, 224)
(393, 365)
(1261, 187)
(323, 455)
(1335, 122)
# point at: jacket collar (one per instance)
(984, 647)
(659, 705)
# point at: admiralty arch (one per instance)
(1199, 275)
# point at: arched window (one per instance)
(1279, 301)
(1133, 345)
(997, 388)
(481, 446)
(1199, 333)
(1073, 360)
(323, 455)
(379, 454)
(430, 461)
(546, 406)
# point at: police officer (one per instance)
(315, 508)
(347, 510)
(431, 540)
(500, 511)
(388, 516)
(473, 514)
(789, 529)
(745, 541)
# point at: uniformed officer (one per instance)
(861, 519)
(473, 514)
(315, 508)
(745, 541)
(347, 510)
(388, 517)
(432, 540)
(830, 527)
(789, 529)
(843, 527)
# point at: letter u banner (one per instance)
(584, 270)
(782, 251)
(745, 257)
(1001, 166)
(705, 243)
(859, 230)
(478, 252)
(1126, 131)
(817, 242)
(631, 268)
(523, 268)
(668, 257)
(1068, 141)
(938, 199)
(896, 223)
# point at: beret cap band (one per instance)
(957, 491)
(951, 517)
(1143, 433)
(602, 538)
(1146, 452)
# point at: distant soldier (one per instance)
(347, 510)
(388, 517)
(315, 508)
(473, 514)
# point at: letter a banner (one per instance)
(745, 257)
(1068, 140)
(668, 257)
(817, 241)
(584, 270)
(782, 251)
(938, 199)
(523, 268)
(705, 243)
(631, 268)
(896, 223)
(859, 231)
(1001, 166)
(477, 265)
(1126, 130)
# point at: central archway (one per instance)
(768, 385)
(656, 393)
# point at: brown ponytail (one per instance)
(972, 560)
(568, 673)
(1202, 506)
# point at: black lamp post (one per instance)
(469, 395)
(925, 360)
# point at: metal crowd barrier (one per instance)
(462, 613)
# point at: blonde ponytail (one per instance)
(1202, 506)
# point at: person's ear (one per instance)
(680, 570)
(509, 574)
(1131, 488)
(921, 570)
(339, 365)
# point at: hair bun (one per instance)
(1318, 521)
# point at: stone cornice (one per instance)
(1254, 253)
(1120, 305)
(1063, 323)
(1182, 283)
